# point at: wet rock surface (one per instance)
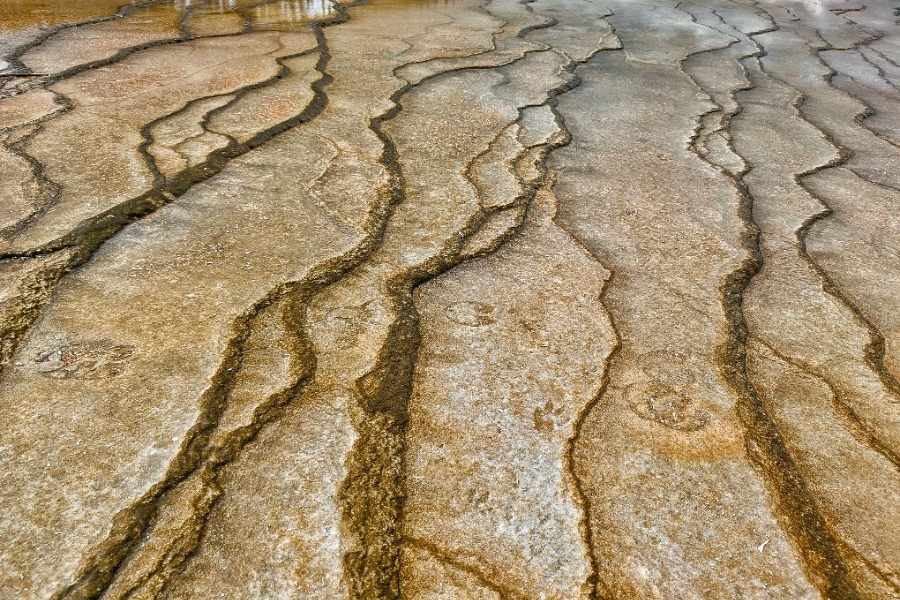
(501, 299)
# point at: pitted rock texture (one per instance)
(457, 299)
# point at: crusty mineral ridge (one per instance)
(450, 299)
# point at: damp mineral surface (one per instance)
(450, 299)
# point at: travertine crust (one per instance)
(470, 299)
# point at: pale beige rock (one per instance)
(21, 195)
(27, 107)
(495, 492)
(475, 299)
(264, 108)
(863, 79)
(789, 308)
(858, 248)
(98, 41)
(858, 488)
(113, 357)
(664, 445)
(103, 164)
(176, 139)
(25, 22)
(341, 324)
(430, 577)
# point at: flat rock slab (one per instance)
(475, 299)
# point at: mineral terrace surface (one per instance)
(461, 299)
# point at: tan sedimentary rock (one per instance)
(478, 299)
(103, 131)
(822, 346)
(665, 444)
(98, 41)
(524, 354)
